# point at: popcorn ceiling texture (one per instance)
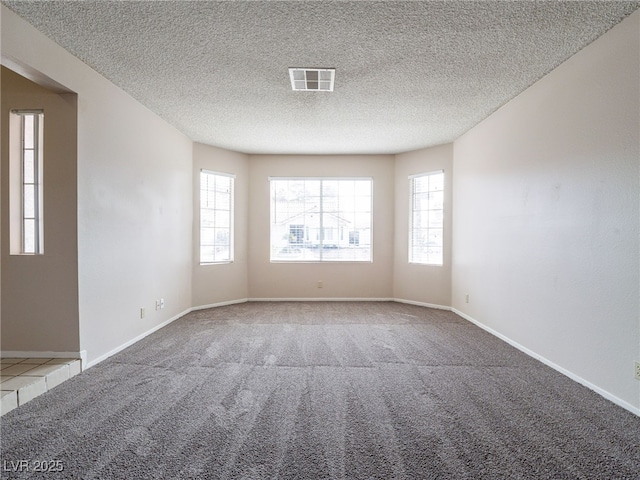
(408, 74)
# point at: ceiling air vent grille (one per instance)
(312, 79)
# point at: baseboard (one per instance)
(321, 299)
(219, 304)
(136, 339)
(600, 391)
(348, 299)
(422, 304)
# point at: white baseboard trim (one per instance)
(136, 339)
(422, 304)
(321, 299)
(549, 363)
(219, 304)
(83, 357)
(348, 299)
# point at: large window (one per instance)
(321, 219)
(426, 222)
(26, 173)
(216, 217)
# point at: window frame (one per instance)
(322, 230)
(412, 254)
(20, 184)
(231, 224)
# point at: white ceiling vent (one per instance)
(312, 79)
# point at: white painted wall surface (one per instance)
(340, 279)
(425, 284)
(227, 282)
(134, 198)
(546, 214)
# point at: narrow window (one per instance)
(26, 185)
(426, 222)
(216, 217)
(309, 218)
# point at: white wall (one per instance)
(424, 284)
(546, 213)
(220, 283)
(134, 198)
(340, 280)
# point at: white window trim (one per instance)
(355, 178)
(410, 231)
(231, 217)
(18, 184)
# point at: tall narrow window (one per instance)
(216, 217)
(426, 223)
(26, 186)
(321, 219)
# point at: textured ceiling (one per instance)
(408, 74)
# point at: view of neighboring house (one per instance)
(316, 219)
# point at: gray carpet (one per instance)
(323, 390)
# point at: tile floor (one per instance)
(22, 379)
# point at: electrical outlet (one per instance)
(637, 370)
(161, 303)
(320, 285)
(142, 312)
(466, 298)
(157, 304)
